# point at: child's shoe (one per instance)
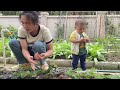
(74, 68)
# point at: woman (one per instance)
(35, 41)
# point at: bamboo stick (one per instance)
(3, 46)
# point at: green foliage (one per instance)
(13, 30)
(7, 48)
(79, 74)
(96, 52)
(27, 73)
(109, 42)
(54, 12)
(10, 12)
(89, 74)
(114, 43)
(72, 12)
(62, 50)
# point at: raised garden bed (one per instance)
(63, 70)
(55, 72)
(67, 63)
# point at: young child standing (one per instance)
(78, 40)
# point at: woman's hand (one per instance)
(32, 63)
(41, 56)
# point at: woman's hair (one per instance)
(31, 15)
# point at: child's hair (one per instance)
(80, 22)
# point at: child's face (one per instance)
(80, 28)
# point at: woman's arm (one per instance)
(26, 54)
(50, 49)
(24, 49)
(48, 53)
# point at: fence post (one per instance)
(43, 19)
(101, 24)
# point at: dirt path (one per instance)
(9, 66)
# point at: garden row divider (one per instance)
(68, 63)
